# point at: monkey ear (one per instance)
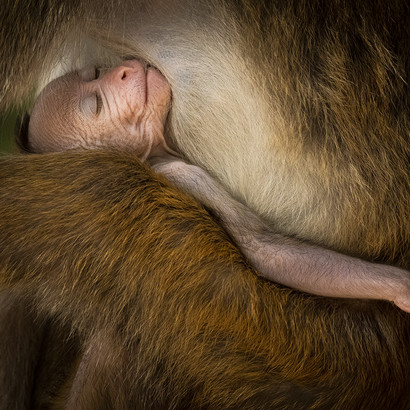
(21, 133)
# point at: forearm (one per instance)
(324, 272)
(286, 260)
(318, 270)
(314, 269)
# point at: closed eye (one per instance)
(99, 103)
(91, 104)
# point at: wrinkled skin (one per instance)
(125, 107)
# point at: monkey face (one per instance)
(124, 107)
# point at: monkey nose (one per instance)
(119, 76)
(129, 72)
(122, 73)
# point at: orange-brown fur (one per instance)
(185, 319)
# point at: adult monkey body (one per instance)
(325, 91)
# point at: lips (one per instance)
(148, 77)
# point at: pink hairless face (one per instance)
(124, 107)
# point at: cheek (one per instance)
(127, 109)
(121, 133)
(56, 143)
(53, 138)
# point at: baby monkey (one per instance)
(126, 108)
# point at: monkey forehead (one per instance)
(54, 110)
(61, 95)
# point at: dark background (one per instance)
(7, 126)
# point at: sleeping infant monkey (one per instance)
(126, 108)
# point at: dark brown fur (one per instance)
(163, 310)
(45, 20)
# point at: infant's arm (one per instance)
(286, 260)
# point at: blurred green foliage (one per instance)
(7, 126)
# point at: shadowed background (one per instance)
(7, 125)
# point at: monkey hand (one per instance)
(391, 283)
(402, 300)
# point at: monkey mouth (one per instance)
(153, 81)
(147, 81)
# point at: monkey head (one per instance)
(124, 107)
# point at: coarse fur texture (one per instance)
(301, 110)
(201, 332)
